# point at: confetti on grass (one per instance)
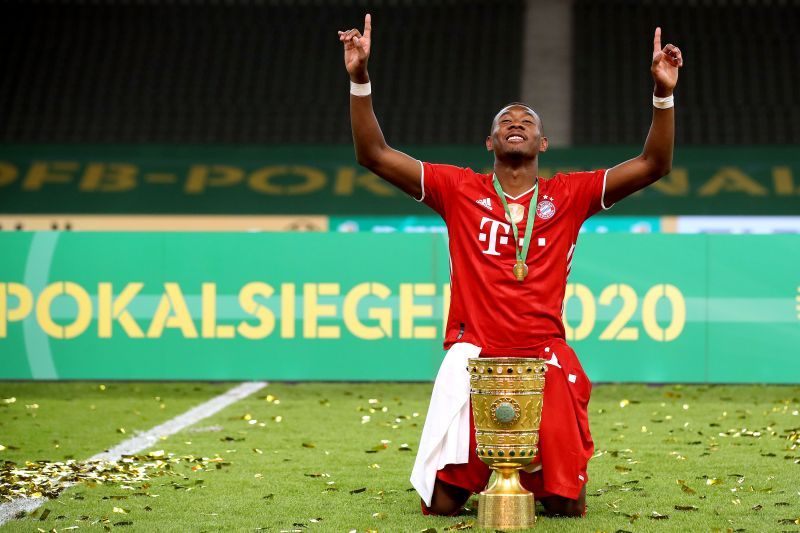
(48, 478)
(684, 487)
(467, 524)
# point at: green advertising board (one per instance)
(325, 180)
(362, 306)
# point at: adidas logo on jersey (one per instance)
(485, 202)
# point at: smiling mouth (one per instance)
(515, 139)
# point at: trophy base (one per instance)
(506, 511)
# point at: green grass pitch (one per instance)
(337, 457)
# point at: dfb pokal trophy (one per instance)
(506, 395)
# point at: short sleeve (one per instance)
(437, 181)
(587, 190)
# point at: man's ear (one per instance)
(488, 143)
(543, 144)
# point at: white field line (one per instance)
(145, 440)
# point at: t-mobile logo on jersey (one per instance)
(495, 225)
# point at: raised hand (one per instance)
(356, 50)
(665, 65)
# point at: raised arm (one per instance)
(655, 160)
(371, 148)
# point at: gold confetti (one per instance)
(358, 491)
(47, 479)
(658, 516)
(379, 516)
(120, 510)
(624, 403)
(309, 445)
(101, 387)
(2, 447)
(374, 465)
(467, 524)
(278, 418)
(713, 481)
(8, 401)
(686, 508)
(259, 452)
(121, 430)
(32, 406)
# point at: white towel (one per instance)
(445, 436)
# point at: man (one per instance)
(511, 237)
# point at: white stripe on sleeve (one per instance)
(603, 195)
(422, 181)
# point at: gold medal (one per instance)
(514, 213)
(520, 270)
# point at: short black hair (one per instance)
(519, 104)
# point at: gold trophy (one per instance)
(506, 397)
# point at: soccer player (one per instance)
(512, 236)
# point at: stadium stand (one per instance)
(739, 85)
(246, 71)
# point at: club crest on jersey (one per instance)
(517, 211)
(546, 208)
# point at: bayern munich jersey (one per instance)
(489, 307)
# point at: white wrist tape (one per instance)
(663, 103)
(360, 89)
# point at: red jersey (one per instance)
(489, 307)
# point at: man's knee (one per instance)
(560, 506)
(447, 499)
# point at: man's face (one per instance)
(516, 132)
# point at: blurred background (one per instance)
(232, 115)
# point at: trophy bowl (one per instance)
(506, 394)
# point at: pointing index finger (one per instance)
(657, 40)
(367, 26)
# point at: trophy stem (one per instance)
(506, 504)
